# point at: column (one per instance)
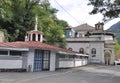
(8, 52)
(36, 37)
(52, 61)
(41, 38)
(30, 60)
(112, 56)
(31, 37)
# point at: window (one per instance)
(3, 52)
(93, 52)
(81, 50)
(15, 53)
(70, 49)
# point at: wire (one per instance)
(67, 12)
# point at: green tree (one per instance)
(19, 16)
(109, 8)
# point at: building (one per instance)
(92, 41)
(34, 55)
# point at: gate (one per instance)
(38, 60)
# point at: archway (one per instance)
(107, 57)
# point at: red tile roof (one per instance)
(35, 45)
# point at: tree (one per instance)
(52, 26)
(19, 17)
(4, 8)
(109, 8)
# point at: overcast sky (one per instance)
(78, 12)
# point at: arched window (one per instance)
(70, 49)
(81, 50)
(93, 52)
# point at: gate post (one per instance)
(52, 60)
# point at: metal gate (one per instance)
(38, 60)
(46, 60)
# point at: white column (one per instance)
(30, 60)
(41, 38)
(8, 52)
(52, 60)
(31, 37)
(112, 56)
(36, 36)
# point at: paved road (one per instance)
(86, 74)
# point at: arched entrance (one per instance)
(107, 57)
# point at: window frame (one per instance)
(93, 52)
(81, 51)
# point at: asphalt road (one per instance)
(88, 74)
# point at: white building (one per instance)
(34, 55)
(92, 41)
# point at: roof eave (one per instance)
(14, 48)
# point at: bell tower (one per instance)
(34, 35)
(99, 26)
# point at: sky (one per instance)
(76, 12)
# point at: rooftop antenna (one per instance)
(36, 23)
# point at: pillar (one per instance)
(41, 38)
(52, 60)
(36, 37)
(31, 37)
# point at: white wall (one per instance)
(78, 63)
(99, 52)
(10, 64)
(76, 46)
(24, 59)
(106, 37)
(30, 60)
(66, 64)
(72, 63)
(99, 46)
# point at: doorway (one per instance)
(41, 60)
(107, 57)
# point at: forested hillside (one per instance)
(18, 16)
(116, 29)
